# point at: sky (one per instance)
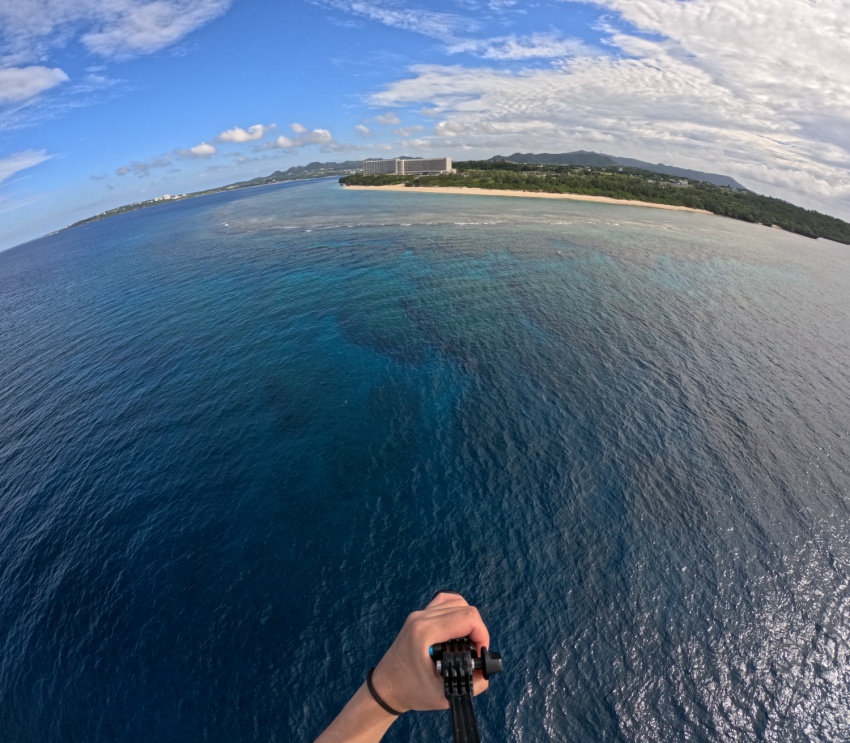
(109, 102)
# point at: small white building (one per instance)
(408, 166)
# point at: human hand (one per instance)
(406, 678)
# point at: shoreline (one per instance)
(526, 194)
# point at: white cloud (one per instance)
(387, 119)
(304, 137)
(21, 83)
(406, 131)
(431, 23)
(239, 135)
(21, 161)
(363, 131)
(513, 48)
(318, 136)
(759, 89)
(203, 150)
(456, 32)
(110, 28)
(134, 28)
(142, 168)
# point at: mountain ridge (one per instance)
(601, 160)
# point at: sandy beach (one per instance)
(524, 194)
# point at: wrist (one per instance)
(360, 721)
(383, 693)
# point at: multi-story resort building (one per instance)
(408, 166)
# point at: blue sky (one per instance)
(107, 102)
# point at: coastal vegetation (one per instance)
(626, 183)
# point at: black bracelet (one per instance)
(374, 694)
(443, 590)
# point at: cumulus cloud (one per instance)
(387, 119)
(363, 131)
(239, 135)
(110, 28)
(757, 88)
(303, 137)
(318, 136)
(406, 131)
(21, 161)
(202, 150)
(21, 83)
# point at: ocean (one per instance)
(242, 436)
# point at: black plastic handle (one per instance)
(464, 727)
(457, 660)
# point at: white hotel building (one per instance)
(404, 166)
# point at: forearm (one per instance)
(361, 721)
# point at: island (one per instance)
(618, 184)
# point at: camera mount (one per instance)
(456, 660)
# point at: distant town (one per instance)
(396, 166)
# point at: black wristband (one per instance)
(375, 696)
(443, 590)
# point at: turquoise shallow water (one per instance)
(242, 436)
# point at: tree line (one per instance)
(631, 184)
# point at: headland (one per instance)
(608, 184)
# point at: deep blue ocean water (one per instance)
(243, 436)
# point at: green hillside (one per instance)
(599, 159)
